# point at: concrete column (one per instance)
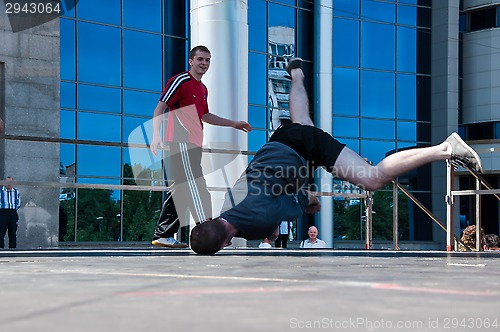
(30, 64)
(222, 27)
(323, 77)
(445, 96)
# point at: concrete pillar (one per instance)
(222, 27)
(30, 64)
(445, 96)
(323, 76)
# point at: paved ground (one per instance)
(152, 289)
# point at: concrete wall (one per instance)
(471, 4)
(481, 76)
(30, 61)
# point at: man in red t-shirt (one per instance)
(185, 100)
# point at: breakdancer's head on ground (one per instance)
(259, 212)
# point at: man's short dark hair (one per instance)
(208, 237)
(195, 49)
(491, 241)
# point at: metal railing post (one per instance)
(368, 213)
(450, 174)
(395, 220)
(478, 216)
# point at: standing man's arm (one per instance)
(18, 200)
(157, 120)
(216, 120)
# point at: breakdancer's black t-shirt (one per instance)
(274, 186)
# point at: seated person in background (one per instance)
(491, 242)
(274, 187)
(469, 238)
(312, 242)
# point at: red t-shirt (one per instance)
(186, 99)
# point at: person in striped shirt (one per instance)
(185, 101)
(10, 202)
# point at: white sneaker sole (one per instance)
(164, 245)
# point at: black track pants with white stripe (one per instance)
(189, 193)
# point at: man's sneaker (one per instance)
(463, 153)
(294, 63)
(169, 242)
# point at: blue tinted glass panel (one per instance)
(287, 2)
(378, 46)
(345, 91)
(68, 125)
(423, 51)
(257, 80)
(98, 161)
(405, 145)
(99, 54)
(281, 16)
(139, 103)
(137, 130)
(95, 98)
(305, 29)
(144, 14)
(99, 127)
(352, 144)
(68, 53)
(67, 155)
(462, 22)
(142, 60)
(346, 8)
(407, 15)
(257, 27)
(423, 98)
(345, 42)
(175, 16)
(306, 4)
(68, 95)
(143, 157)
(115, 193)
(257, 117)
(173, 62)
(108, 11)
(375, 151)
(256, 139)
(496, 130)
(68, 8)
(407, 97)
(407, 49)
(424, 17)
(417, 2)
(380, 129)
(407, 131)
(378, 11)
(346, 127)
(377, 94)
(424, 132)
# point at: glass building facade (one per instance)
(114, 63)
(116, 60)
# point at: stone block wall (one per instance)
(29, 107)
